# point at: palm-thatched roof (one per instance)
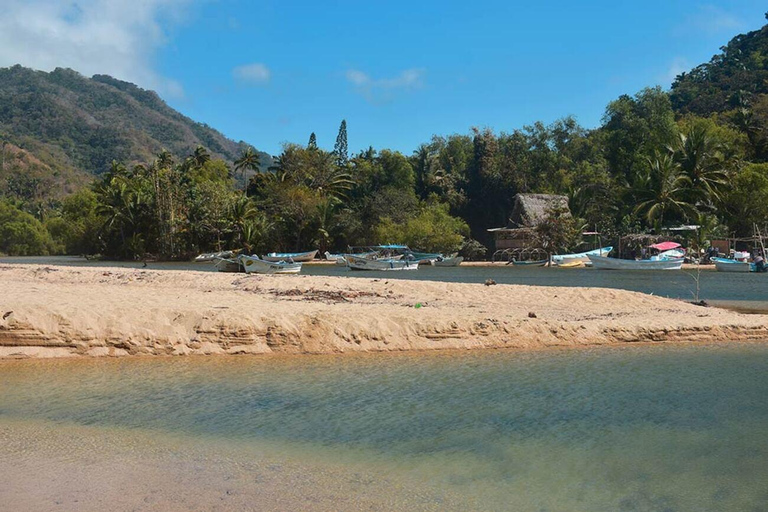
(530, 209)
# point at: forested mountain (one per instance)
(62, 127)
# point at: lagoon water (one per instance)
(632, 428)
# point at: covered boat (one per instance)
(254, 265)
(560, 259)
(287, 256)
(603, 262)
(210, 256)
(386, 264)
(729, 265)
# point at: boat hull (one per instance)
(355, 263)
(258, 266)
(227, 265)
(298, 257)
(539, 263)
(449, 262)
(726, 265)
(605, 263)
(560, 259)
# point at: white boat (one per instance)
(729, 265)
(386, 264)
(254, 265)
(605, 263)
(210, 256)
(452, 261)
(338, 258)
(287, 256)
(559, 259)
(227, 265)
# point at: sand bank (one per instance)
(49, 311)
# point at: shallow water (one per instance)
(745, 291)
(650, 427)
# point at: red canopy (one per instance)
(666, 246)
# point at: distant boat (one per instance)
(286, 256)
(227, 265)
(534, 263)
(605, 263)
(572, 264)
(254, 265)
(451, 261)
(560, 259)
(729, 265)
(210, 256)
(387, 264)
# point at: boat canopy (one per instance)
(665, 246)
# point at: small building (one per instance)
(527, 212)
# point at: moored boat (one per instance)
(729, 265)
(606, 263)
(451, 261)
(560, 259)
(287, 256)
(227, 265)
(210, 256)
(533, 263)
(255, 265)
(386, 264)
(337, 258)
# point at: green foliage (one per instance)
(432, 230)
(558, 231)
(747, 200)
(341, 149)
(23, 235)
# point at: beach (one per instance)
(59, 311)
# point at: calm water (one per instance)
(674, 428)
(749, 290)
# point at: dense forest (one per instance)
(697, 154)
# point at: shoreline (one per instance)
(61, 311)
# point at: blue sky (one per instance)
(268, 72)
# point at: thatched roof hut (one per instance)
(530, 209)
(527, 212)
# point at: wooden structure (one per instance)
(520, 233)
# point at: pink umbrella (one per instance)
(666, 246)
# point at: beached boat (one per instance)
(605, 263)
(451, 261)
(571, 264)
(254, 265)
(227, 265)
(729, 265)
(287, 256)
(337, 258)
(533, 263)
(559, 259)
(210, 256)
(386, 264)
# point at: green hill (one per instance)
(60, 128)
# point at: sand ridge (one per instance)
(59, 311)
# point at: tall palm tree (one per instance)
(701, 160)
(662, 190)
(199, 157)
(247, 161)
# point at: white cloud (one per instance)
(255, 73)
(113, 37)
(711, 19)
(678, 65)
(383, 89)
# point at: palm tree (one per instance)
(702, 161)
(198, 158)
(662, 190)
(247, 161)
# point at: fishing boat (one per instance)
(227, 265)
(729, 265)
(603, 262)
(560, 259)
(385, 264)
(255, 265)
(532, 263)
(210, 256)
(572, 264)
(450, 261)
(337, 258)
(288, 256)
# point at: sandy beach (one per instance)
(50, 311)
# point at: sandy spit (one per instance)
(57, 311)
